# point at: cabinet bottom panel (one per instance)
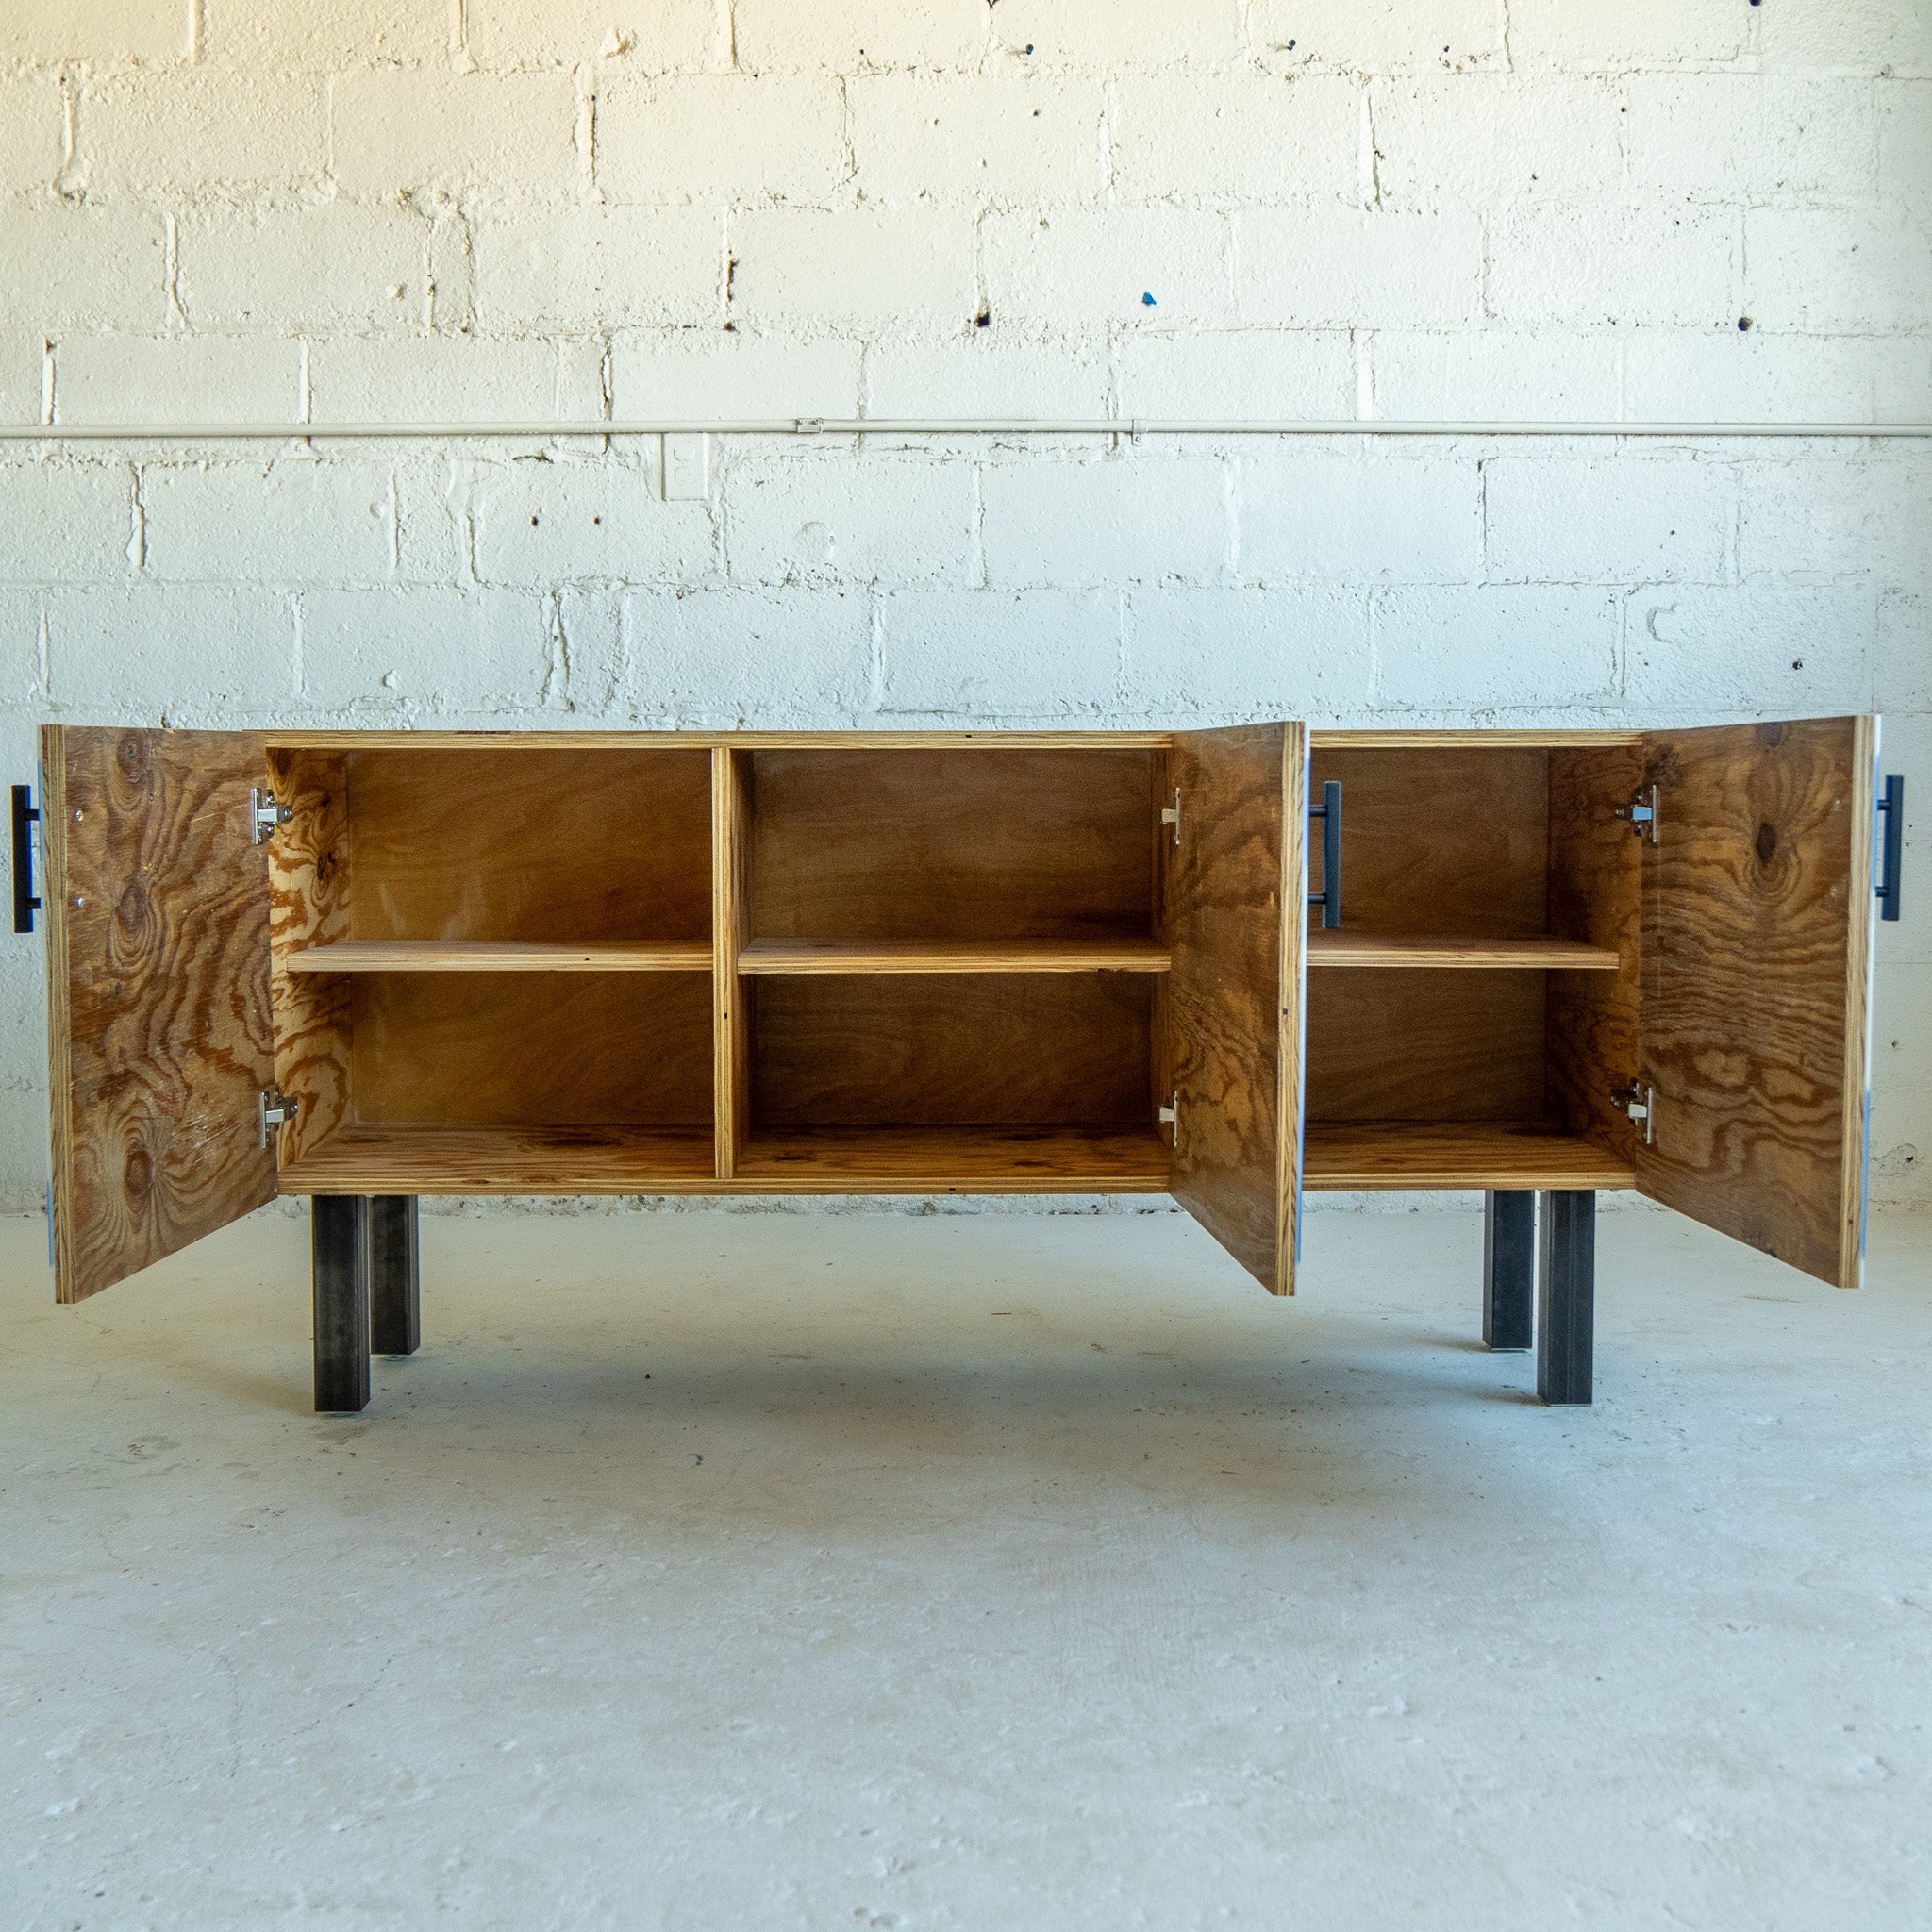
(955, 1160)
(1442, 1155)
(434, 1160)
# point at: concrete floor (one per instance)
(722, 1571)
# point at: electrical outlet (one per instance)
(687, 468)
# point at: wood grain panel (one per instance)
(159, 1035)
(552, 843)
(730, 927)
(1755, 988)
(1596, 894)
(1051, 1049)
(400, 1159)
(1455, 1154)
(521, 1049)
(853, 845)
(308, 887)
(953, 956)
(1440, 840)
(1412, 953)
(955, 1160)
(1235, 885)
(501, 955)
(1425, 1046)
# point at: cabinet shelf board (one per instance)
(502, 955)
(954, 956)
(955, 1160)
(1345, 948)
(411, 1159)
(1453, 1153)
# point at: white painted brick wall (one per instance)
(527, 210)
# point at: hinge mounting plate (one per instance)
(264, 814)
(1171, 815)
(272, 1109)
(1641, 813)
(1170, 1116)
(1639, 1102)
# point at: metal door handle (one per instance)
(1329, 812)
(1893, 805)
(26, 816)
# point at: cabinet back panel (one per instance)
(539, 844)
(1440, 839)
(1426, 1045)
(526, 1049)
(951, 844)
(959, 1050)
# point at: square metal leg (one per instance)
(341, 1236)
(1566, 1296)
(395, 1303)
(1509, 1269)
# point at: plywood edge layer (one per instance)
(1334, 948)
(945, 955)
(490, 956)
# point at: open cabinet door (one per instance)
(1757, 911)
(159, 1035)
(1236, 895)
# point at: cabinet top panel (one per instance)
(705, 741)
(1481, 740)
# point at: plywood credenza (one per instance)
(367, 967)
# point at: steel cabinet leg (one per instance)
(1566, 1295)
(395, 1307)
(341, 1233)
(1509, 1269)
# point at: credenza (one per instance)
(1235, 966)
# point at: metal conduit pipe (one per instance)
(1134, 428)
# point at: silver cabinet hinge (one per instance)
(1639, 1102)
(272, 1109)
(1170, 1116)
(1642, 812)
(264, 814)
(1171, 814)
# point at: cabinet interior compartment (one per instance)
(952, 968)
(980, 845)
(955, 1079)
(1468, 1024)
(420, 903)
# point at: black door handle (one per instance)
(26, 816)
(1893, 805)
(1329, 812)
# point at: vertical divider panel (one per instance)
(308, 905)
(730, 915)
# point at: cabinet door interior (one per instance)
(1237, 881)
(159, 1035)
(1757, 959)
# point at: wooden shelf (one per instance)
(404, 1160)
(955, 1160)
(1376, 949)
(1453, 1153)
(502, 955)
(953, 956)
